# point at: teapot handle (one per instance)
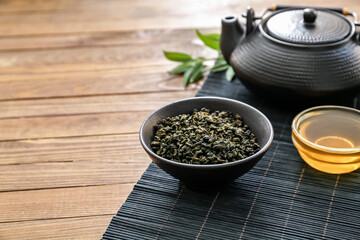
(343, 11)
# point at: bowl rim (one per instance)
(297, 119)
(209, 166)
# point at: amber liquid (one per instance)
(331, 128)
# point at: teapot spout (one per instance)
(231, 32)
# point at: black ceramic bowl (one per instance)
(213, 174)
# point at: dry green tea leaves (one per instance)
(204, 137)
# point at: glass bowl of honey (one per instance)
(328, 138)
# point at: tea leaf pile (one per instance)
(204, 137)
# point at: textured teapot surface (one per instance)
(294, 51)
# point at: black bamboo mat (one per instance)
(280, 198)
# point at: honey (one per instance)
(328, 138)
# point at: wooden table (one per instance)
(77, 78)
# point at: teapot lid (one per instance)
(308, 26)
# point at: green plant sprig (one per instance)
(194, 68)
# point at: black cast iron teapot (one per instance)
(295, 51)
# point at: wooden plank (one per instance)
(133, 80)
(93, 58)
(88, 105)
(62, 229)
(29, 81)
(99, 122)
(71, 174)
(95, 161)
(65, 72)
(86, 40)
(71, 162)
(67, 126)
(21, 6)
(124, 148)
(62, 202)
(95, 16)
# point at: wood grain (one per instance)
(87, 105)
(81, 116)
(70, 174)
(118, 149)
(62, 203)
(108, 82)
(73, 125)
(96, 70)
(94, 58)
(96, 16)
(84, 228)
(21, 6)
(87, 40)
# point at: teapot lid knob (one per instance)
(309, 15)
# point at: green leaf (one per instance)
(197, 76)
(210, 40)
(200, 59)
(192, 74)
(187, 76)
(230, 74)
(177, 56)
(220, 60)
(181, 68)
(219, 68)
(197, 73)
